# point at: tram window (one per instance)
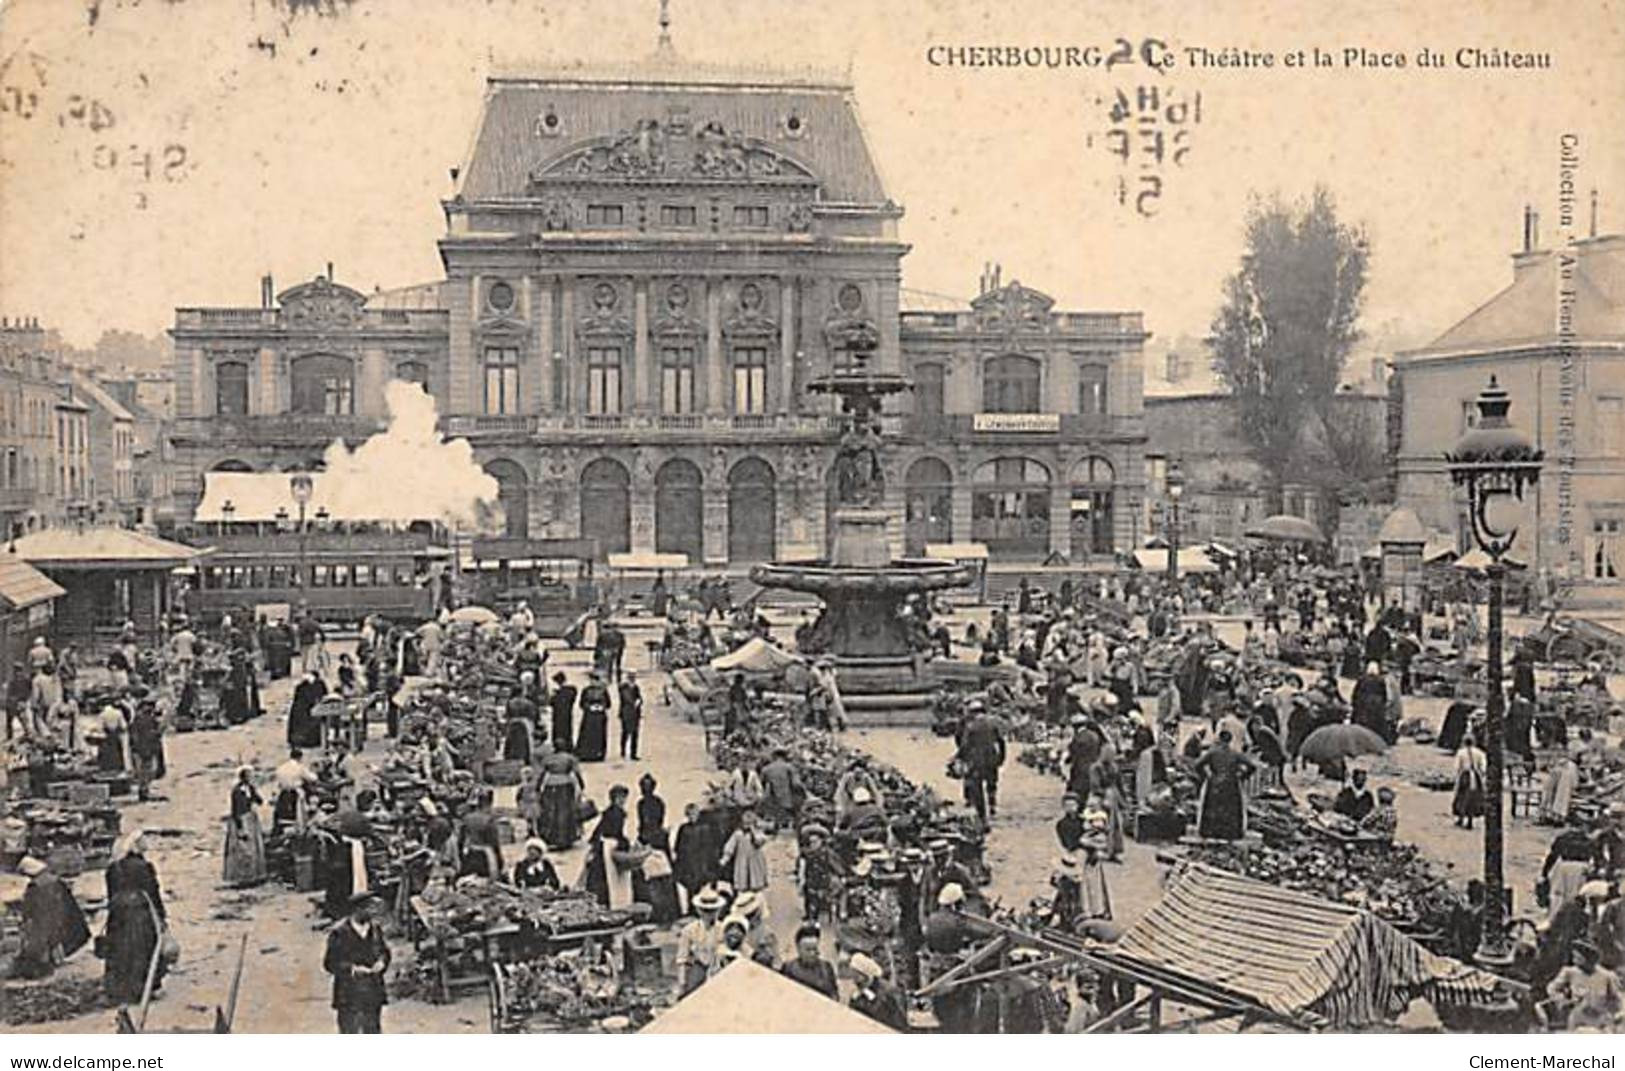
(319, 576)
(279, 576)
(341, 576)
(403, 575)
(234, 576)
(257, 576)
(363, 576)
(206, 579)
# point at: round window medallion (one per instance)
(750, 297)
(850, 298)
(501, 297)
(604, 296)
(677, 297)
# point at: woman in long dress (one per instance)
(1223, 816)
(245, 844)
(1469, 799)
(607, 875)
(1150, 767)
(135, 920)
(560, 822)
(743, 858)
(592, 736)
(1557, 794)
(1094, 898)
(110, 757)
(1106, 788)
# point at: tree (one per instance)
(1286, 327)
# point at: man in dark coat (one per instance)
(809, 967)
(303, 728)
(697, 849)
(981, 750)
(630, 710)
(1192, 681)
(1376, 644)
(563, 704)
(357, 957)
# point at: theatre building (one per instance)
(642, 274)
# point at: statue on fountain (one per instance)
(859, 479)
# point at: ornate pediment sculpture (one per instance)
(1013, 308)
(604, 319)
(675, 319)
(750, 318)
(321, 303)
(653, 149)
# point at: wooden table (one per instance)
(489, 946)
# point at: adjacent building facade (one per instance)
(1555, 339)
(642, 276)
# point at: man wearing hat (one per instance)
(877, 997)
(982, 752)
(697, 941)
(815, 872)
(357, 957)
(630, 710)
(53, 926)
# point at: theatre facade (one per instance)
(641, 276)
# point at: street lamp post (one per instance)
(1495, 464)
(301, 485)
(1175, 481)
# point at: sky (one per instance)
(163, 153)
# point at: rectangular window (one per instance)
(231, 388)
(605, 215)
(341, 576)
(678, 216)
(363, 576)
(501, 380)
(1607, 542)
(603, 380)
(1156, 472)
(1092, 390)
(1469, 416)
(750, 380)
(1610, 424)
(336, 396)
(403, 575)
(677, 380)
(319, 576)
(750, 215)
(281, 576)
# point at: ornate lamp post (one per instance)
(1495, 463)
(301, 485)
(1175, 481)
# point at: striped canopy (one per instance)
(1309, 960)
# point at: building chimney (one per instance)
(330, 271)
(1531, 229)
(267, 291)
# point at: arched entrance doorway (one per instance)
(606, 506)
(513, 495)
(679, 510)
(752, 511)
(1091, 508)
(928, 491)
(1010, 499)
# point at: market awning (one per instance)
(957, 552)
(645, 560)
(22, 585)
(747, 998)
(1478, 561)
(1302, 958)
(756, 656)
(1191, 560)
(102, 547)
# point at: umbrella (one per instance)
(1344, 741)
(475, 615)
(1286, 529)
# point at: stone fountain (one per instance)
(862, 587)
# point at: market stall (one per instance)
(746, 998)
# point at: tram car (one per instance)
(280, 540)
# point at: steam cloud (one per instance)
(410, 472)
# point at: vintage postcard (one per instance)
(762, 517)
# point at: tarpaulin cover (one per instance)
(1296, 955)
(747, 998)
(756, 656)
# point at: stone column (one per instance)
(962, 511)
(715, 401)
(643, 512)
(566, 402)
(788, 309)
(716, 524)
(460, 373)
(370, 390)
(1060, 517)
(538, 364)
(642, 376)
(265, 399)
